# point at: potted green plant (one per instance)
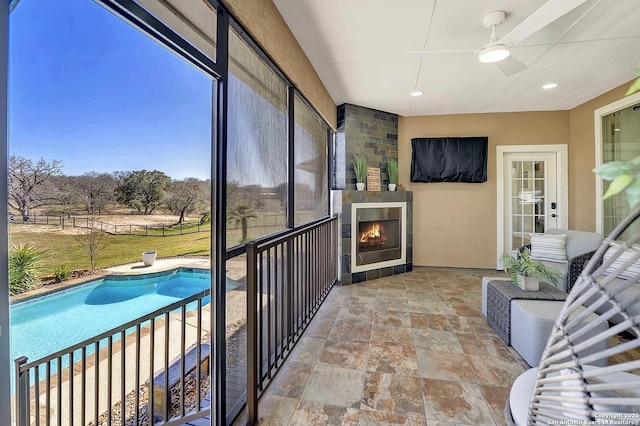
(360, 169)
(526, 273)
(392, 171)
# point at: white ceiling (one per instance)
(358, 49)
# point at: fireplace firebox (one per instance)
(378, 237)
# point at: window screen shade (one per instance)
(449, 159)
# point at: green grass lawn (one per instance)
(63, 249)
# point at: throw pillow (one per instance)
(632, 270)
(549, 247)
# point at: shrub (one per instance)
(25, 261)
(61, 273)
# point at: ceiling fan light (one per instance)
(495, 53)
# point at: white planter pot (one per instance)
(392, 187)
(528, 283)
(148, 257)
(360, 186)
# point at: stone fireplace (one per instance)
(378, 235)
(387, 250)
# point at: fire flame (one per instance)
(374, 232)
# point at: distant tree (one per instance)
(30, 185)
(241, 214)
(93, 190)
(143, 190)
(92, 240)
(184, 196)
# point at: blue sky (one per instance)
(91, 91)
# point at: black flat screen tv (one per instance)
(461, 159)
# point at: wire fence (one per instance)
(88, 222)
(263, 224)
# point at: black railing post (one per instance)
(252, 333)
(290, 293)
(22, 393)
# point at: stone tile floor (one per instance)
(410, 349)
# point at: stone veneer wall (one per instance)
(374, 134)
(369, 132)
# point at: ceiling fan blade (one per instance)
(546, 14)
(511, 66)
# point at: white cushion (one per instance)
(524, 385)
(549, 247)
(631, 270)
(580, 406)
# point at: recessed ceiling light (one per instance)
(417, 93)
(549, 86)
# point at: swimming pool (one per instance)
(47, 324)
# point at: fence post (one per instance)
(163, 231)
(22, 392)
(252, 333)
(181, 229)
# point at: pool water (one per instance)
(42, 326)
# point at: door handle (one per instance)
(553, 205)
(553, 215)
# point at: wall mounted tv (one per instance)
(449, 159)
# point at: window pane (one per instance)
(195, 21)
(312, 189)
(257, 146)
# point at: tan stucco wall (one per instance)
(262, 20)
(582, 180)
(454, 224)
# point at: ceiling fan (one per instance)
(498, 50)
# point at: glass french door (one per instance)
(620, 133)
(530, 196)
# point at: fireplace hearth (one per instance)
(378, 235)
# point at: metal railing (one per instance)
(89, 383)
(288, 278)
(124, 376)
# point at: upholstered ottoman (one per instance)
(531, 325)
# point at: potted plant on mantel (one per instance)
(392, 171)
(526, 273)
(360, 169)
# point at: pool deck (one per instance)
(159, 265)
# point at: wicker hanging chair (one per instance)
(567, 386)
